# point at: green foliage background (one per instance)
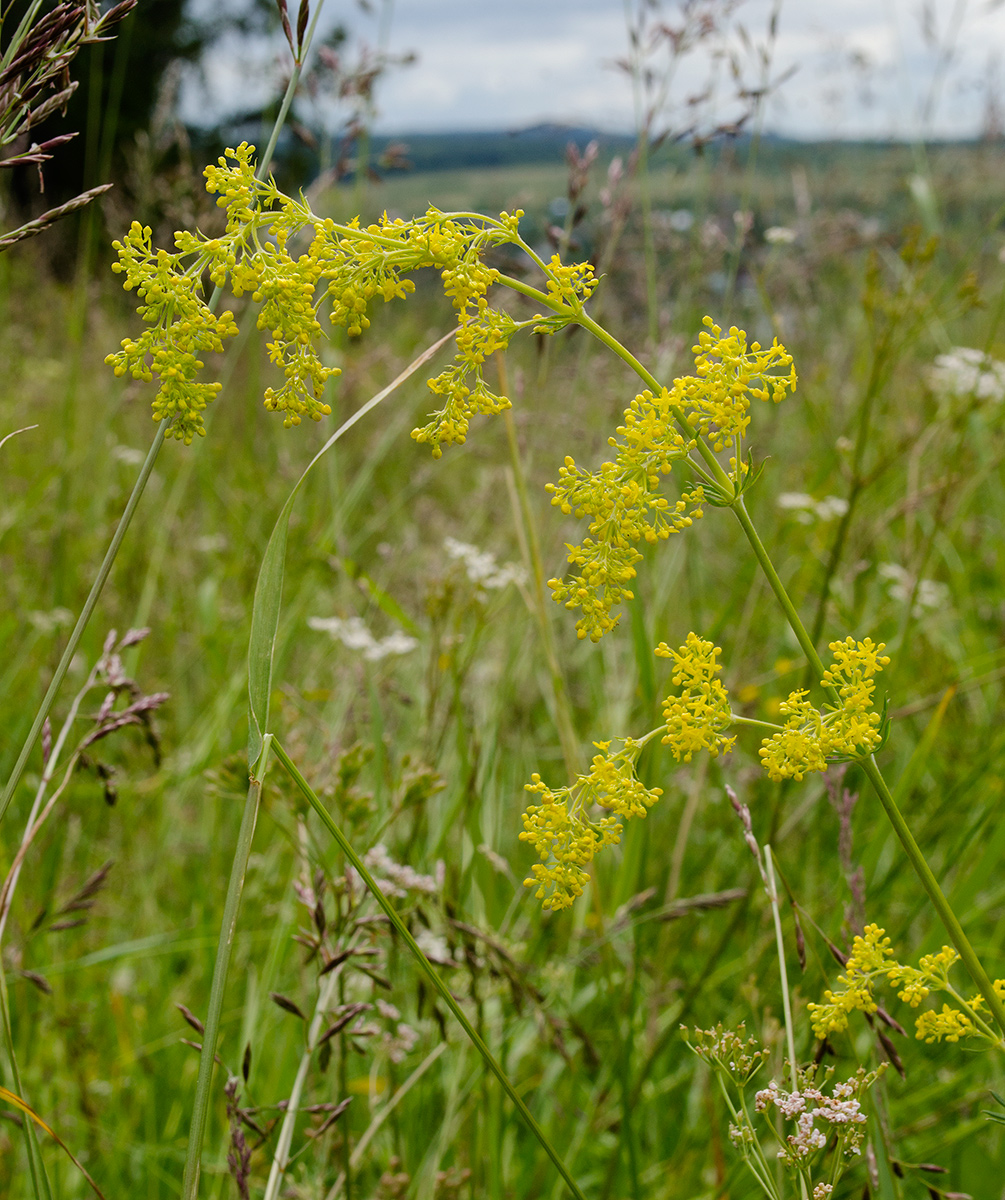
(582, 1008)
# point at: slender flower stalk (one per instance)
(281, 1156)
(967, 954)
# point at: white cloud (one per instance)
(497, 64)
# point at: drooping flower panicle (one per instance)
(348, 267)
(567, 836)
(624, 504)
(622, 499)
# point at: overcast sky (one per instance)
(863, 67)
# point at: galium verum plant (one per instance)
(700, 422)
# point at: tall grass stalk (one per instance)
(228, 928)
(141, 480)
(772, 889)
(281, 1156)
(40, 1185)
(425, 966)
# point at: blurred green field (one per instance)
(427, 752)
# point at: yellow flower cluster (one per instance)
(372, 262)
(870, 962)
(262, 265)
(624, 505)
(181, 327)
(846, 730)
(727, 375)
(867, 959)
(349, 265)
(696, 718)
(564, 834)
(572, 283)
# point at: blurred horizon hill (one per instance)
(546, 143)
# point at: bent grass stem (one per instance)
(424, 964)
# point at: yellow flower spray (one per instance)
(699, 417)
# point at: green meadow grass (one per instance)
(582, 1008)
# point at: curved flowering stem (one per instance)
(942, 906)
(612, 343)
(730, 495)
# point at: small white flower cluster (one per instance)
(404, 1038)
(930, 595)
(822, 1191)
(353, 633)
(807, 510)
(434, 947)
(839, 1109)
(396, 879)
(481, 567)
(965, 371)
(780, 235)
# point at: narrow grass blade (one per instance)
(261, 649)
(200, 1107)
(36, 1167)
(85, 615)
(15, 432)
(918, 760)
(21, 1106)
(424, 965)
(269, 589)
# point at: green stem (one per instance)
(790, 1040)
(228, 927)
(612, 343)
(750, 723)
(782, 596)
(968, 1012)
(751, 1156)
(424, 965)
(772, 891)
(935, 894)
